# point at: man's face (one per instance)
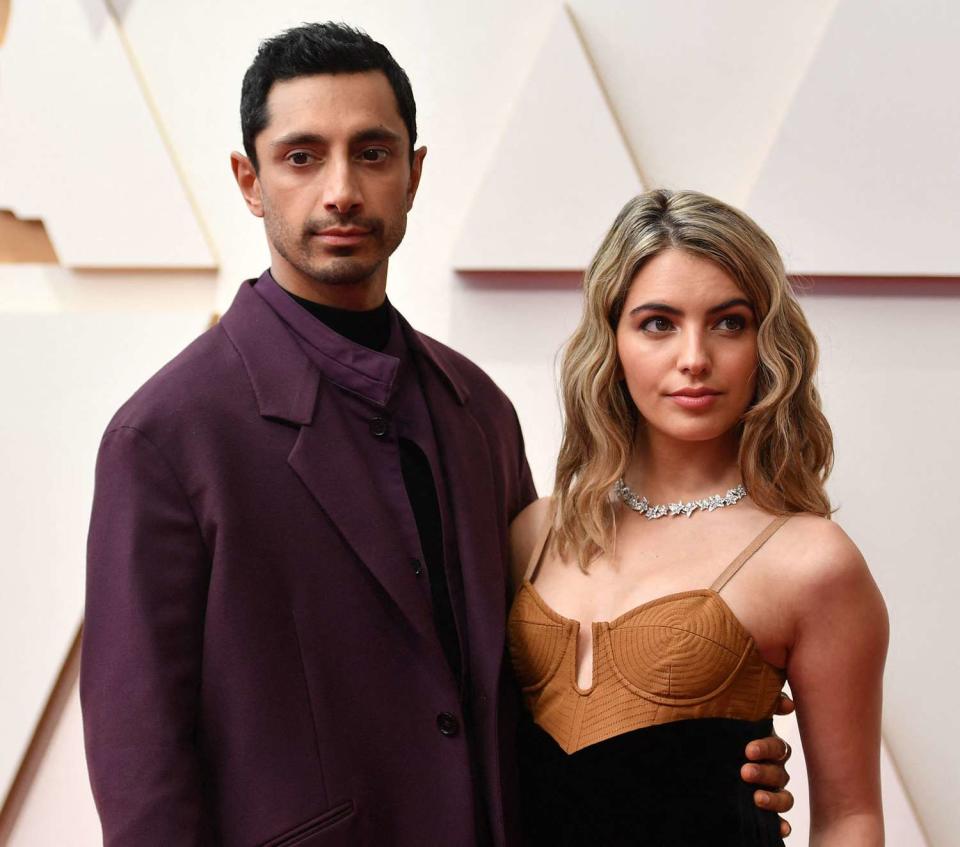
(335, 182)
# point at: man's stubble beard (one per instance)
(344, 270)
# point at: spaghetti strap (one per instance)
(540, 546)
(748, 551)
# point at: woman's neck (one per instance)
(667, 470)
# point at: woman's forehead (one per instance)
(676, 277)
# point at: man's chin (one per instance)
(342, 273)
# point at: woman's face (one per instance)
(687, 342)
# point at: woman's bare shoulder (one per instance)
(824, 560)
(526, 531)
(818, 543)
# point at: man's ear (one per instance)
(416, 171)
(246, 176)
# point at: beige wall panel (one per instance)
(63, 376)
(48, 288)
(561, 104)
(700, 87)
(80, 148)
(59, 809)
(864, 175)
(891, 362)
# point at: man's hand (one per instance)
(766, 758)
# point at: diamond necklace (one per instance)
(642, 505)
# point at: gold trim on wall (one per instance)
(40, 740)
(4, 18)
(24, 240)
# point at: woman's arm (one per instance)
(525, 532)
(835, 669)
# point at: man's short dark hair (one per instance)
(320, 48)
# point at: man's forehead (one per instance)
(333, 102)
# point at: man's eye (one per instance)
(374, 154)
(656, 325)
(300, 157)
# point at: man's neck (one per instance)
(362, 296)
(370, 328)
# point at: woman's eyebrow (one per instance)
(657, 307)
(667, 309)
(729, 304)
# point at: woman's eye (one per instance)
(656, 325)
(374, 154)
(732, 323)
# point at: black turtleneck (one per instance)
(371, 329)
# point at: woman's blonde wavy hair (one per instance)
(786, 446)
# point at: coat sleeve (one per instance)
(147, 577)
(526, 490)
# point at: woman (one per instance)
(686, 565)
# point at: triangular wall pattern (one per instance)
(81, 150)
(864, 175)
(86, 364)
(559, 175)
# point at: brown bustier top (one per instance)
(681, 656)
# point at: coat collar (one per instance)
(285, 382)
(438, 357)
(264, 322)
(368, 373)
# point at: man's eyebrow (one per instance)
(292, 139)
(673, 310)
(374, 133)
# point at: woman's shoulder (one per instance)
(824, 560)
(526, 532)
(818, 542)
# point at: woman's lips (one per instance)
(695, 400)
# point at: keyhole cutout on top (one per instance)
(584, 657)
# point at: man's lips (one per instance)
(339, 236)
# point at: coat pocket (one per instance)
(302, 834)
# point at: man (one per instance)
(297, 584)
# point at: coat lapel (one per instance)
(339, 461)
(335, 455)
(479, 517)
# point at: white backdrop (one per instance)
(708, 96)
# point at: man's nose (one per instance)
(341, 190)
(693, 358)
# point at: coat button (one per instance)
(379, 427)
(448, 724)
(417, 566)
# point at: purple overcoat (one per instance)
(259, 665)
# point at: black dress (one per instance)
(672, 785)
